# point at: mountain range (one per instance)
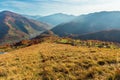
(15, 27)
(54, 19)
(103, 26)
(92, 26)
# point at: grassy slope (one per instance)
(50, 61)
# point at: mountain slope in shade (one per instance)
(108, 35)
(14, 27)
(56, 19)
(93, 22)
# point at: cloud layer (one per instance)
(45, 7)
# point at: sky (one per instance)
(47, 7)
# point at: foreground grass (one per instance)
(50, 61)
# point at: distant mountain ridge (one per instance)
(35, 17)
(96, 23)
(56, 19)
(90, 23)
(14, 27)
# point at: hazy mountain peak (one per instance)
(58, 14)
(57, 18)
(8, 13)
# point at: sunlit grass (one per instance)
(52, 61)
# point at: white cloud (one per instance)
(45, 7)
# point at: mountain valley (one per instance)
(86, 48)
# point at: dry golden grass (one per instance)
(51, 61)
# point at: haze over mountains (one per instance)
(91, 23)
(53, 19)
(14, 27)
(32, 17)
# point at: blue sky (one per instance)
(46, 7)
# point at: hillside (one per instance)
(14, 27)
(93, 22)
(109, 35)
(56, 19)
(60, 61)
